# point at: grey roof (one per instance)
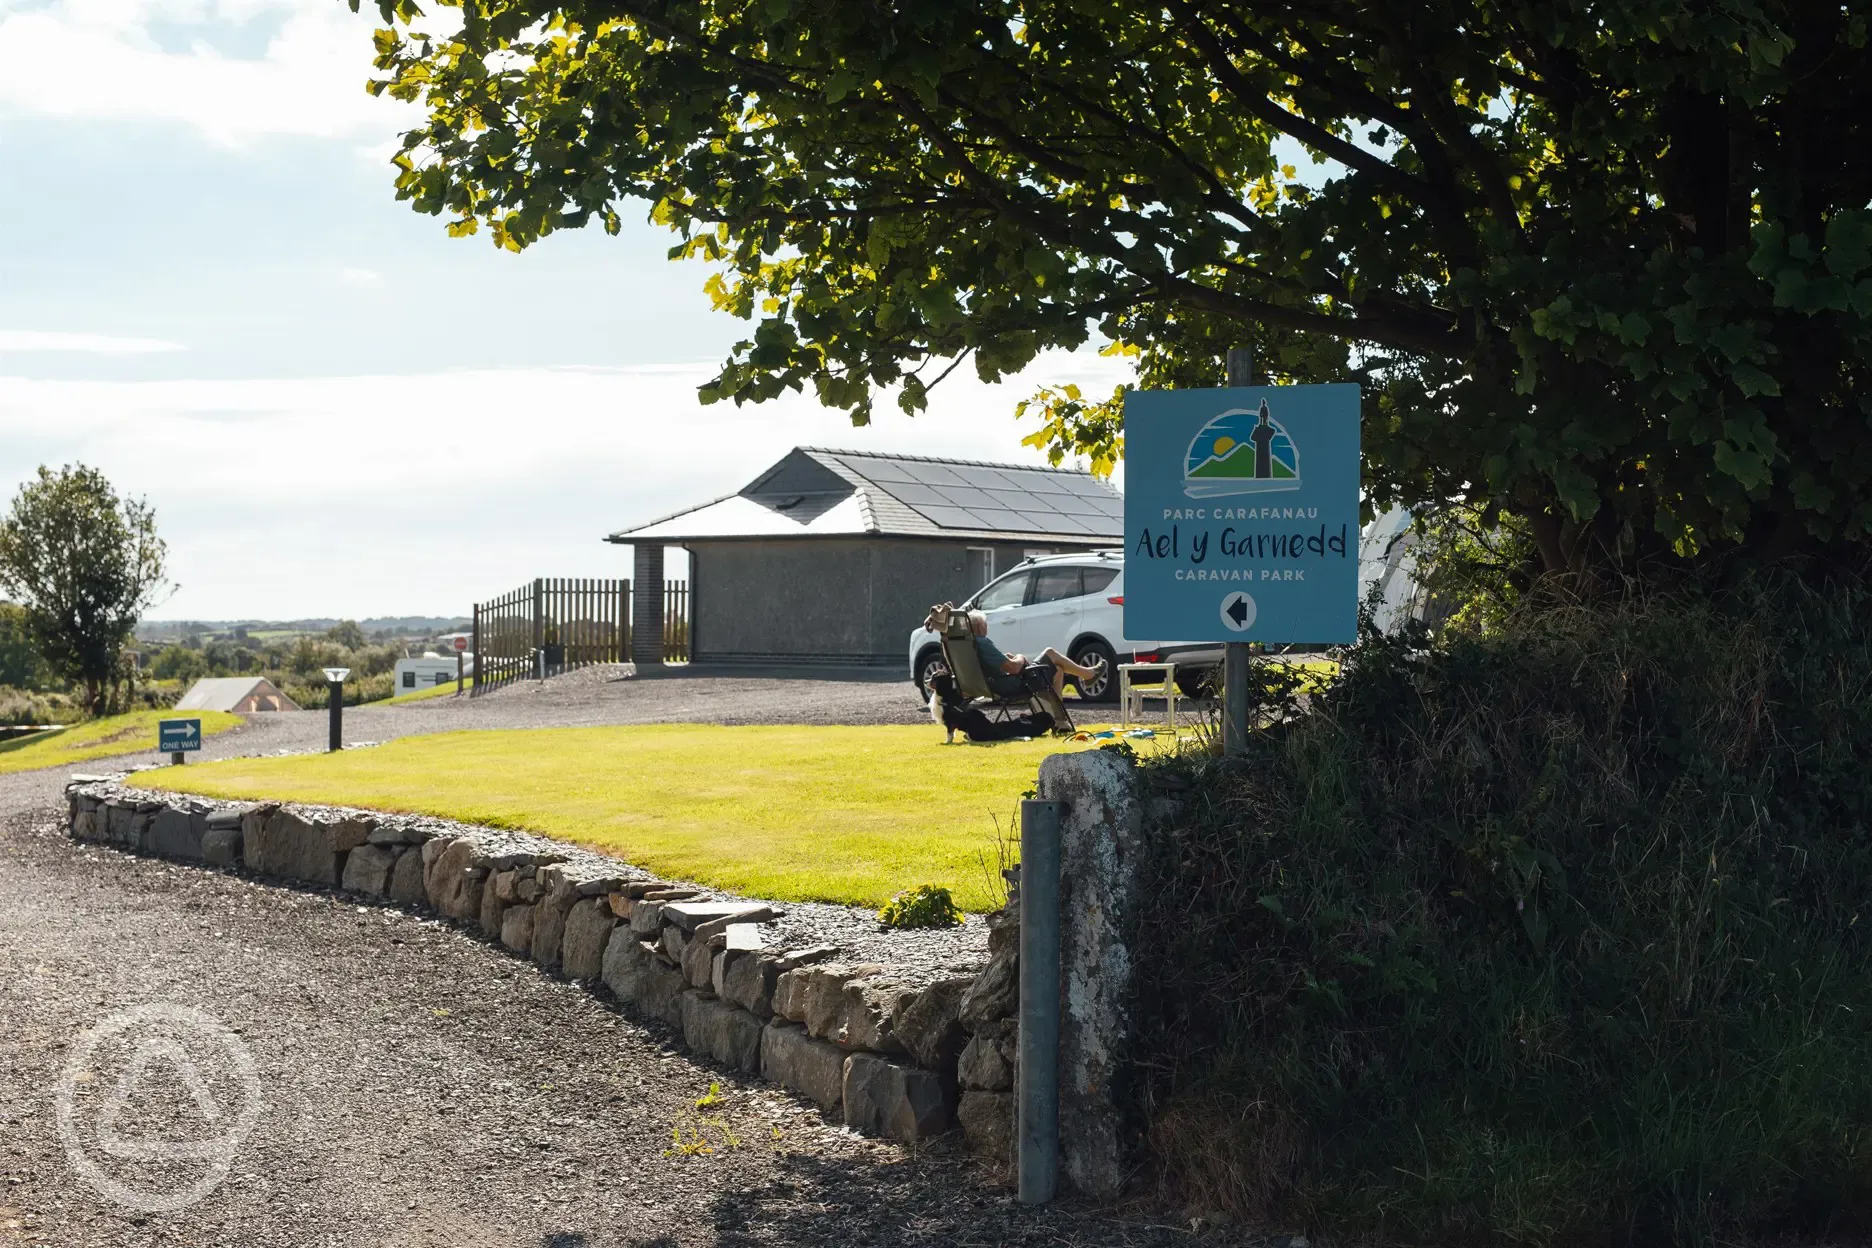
(819, 492)
(224, 693)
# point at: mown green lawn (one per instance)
(104, 738)
(851, 815)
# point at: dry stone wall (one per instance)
(908, 1050)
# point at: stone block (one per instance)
(222, 819)
(817, 996)
(789, 996)
(748, 979)
(639, 979)
(636, 889)
(674, 941)
(174, 833)
(140, 824)
(393, 834)
(84, 825)
(517, 928)
(549, 921)
(406, 879)
(689, 915)
(929, 1027)
(646, 917)
(493, 911)
(288, 846)
(799, 1063)
(597, 887)
(221, 847)
(988, 1060)
(987, 1122)
(620, 905)
(747, 915)
(731, 1036)
(501, 883)
(588, 928)
(367, 870)
(995, 992)
(117, 825)
(868, 1012)
(671, 892)
(453, 878)
(888, 1098)
(697, 961)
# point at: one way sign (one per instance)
(175, 736)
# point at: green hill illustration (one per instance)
(1240, 462)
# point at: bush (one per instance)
(1556, 935)
(19, 707)
(926, 905)
(313, 695)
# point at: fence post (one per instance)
(1235, 654)
(475, 644)
(1037, 1105)
(539, 630)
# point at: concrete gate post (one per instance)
(646, 638)
(1100, 852)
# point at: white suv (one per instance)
(1074, 603)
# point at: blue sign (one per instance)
(177, 736)
(1242, 514)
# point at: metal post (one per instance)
(460, 664)
(177, 759)
(475, 642)
(1037, 1103)
(539, 631)
(337, 714)
(1235, 654)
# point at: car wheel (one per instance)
(928, 663)
(1105, 688)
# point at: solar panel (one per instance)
(994, 499)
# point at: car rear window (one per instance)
(1053, 584)
(1096, 579)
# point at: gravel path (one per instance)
(419, 1088)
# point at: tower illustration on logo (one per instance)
(1241, 452)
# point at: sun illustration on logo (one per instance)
(1241, 452)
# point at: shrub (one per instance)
(926, 905)
(1554, 935)
(19, 707)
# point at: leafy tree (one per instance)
(348, 634)
(1603, 267)
(84, 565)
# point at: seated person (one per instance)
(1003, 670)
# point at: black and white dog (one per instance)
(952, 711)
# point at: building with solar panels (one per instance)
(833, 557)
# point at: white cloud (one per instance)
(350, 276)
(394, 494)
(308, 80)
(21, 340)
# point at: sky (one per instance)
(209, 292)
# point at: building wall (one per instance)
(849, 601)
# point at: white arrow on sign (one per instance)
(188, 729)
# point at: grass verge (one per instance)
(841, 814)
(436, 691)
(104, 738)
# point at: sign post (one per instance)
(178, 738)
(1241, 520)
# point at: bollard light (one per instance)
(335, 678)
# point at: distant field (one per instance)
(102, 738)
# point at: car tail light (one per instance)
(1144, 658)
(1116, 602)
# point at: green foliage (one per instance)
(296, 665)
(1550, 935)
(26, 706)
(1608, 267)
(84, 565)
(926, 905)
(20, 664)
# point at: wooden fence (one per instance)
(557, 624)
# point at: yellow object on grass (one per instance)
(844, 814)
(109, 737)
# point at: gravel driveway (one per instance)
(375, 1036)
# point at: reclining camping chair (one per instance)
(1036, 692)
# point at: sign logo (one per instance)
(173, 736)
(1238, 612)
(1241, 452)
(120, 1083)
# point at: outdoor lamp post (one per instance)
(336, 677)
